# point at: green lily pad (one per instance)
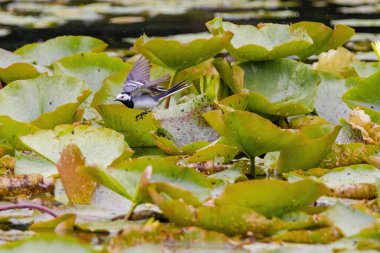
(232, 75)
(251, 133)
(212, 152)
(126, 179)
(11, 130)
(177, 56)
(47, 244)
(354, 181)
(28, 163)
(349, 220)
(184, 123)
(328, 101)
(307, 151)
(14, 67)
(366, 69)
(324, 38)
(231, 220)
(271, 41)
(101, 146)
(280, 87)
(365, 93)
(315, 236)
(271, 197)
(46, 101)
(54, 49)
(237, 101)
(92, 68)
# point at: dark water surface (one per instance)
(111, 20)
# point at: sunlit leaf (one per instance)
(54, 49)
(100, 146)
(27, 163)
(256, 44)
(281, 87)
(232, 75)
(212, 152)
(11, 130)
(271, 197)
(324, 38)
(78, 187)
(175, 55)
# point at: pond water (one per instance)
(114, 21)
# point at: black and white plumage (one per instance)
(138, 78)
(146, 101)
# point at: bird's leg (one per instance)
(141, 115)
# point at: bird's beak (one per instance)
(116, 100)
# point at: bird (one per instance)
(138, 78)
(140, 93)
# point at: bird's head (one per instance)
(124, 97)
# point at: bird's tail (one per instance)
(176, 88)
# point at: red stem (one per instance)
(22, 206)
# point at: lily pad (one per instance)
(11, 130)
(306, 152)
(46, 101)
(251, 133)
(101, 146)
(271, 197)
(365, 93)
(126, 179)
(354, 181)
(177, 56)
(328, 101)
(270, 41)
(366, 69)
(54, 49)
(92, 68)
(184, 123)
(14, 67)
(280, 87)
(367, 123)
(213, 152)
(324, 38)
(28, 163)
(48, 244)
(348, 219)
(231, 74)
(231, 220)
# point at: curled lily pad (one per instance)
(14, 67)
(251, 133)
(177, 56)
(212, 152)
(280, 87)
(101, 146)
(271, 197)
(127, 177)
(361, 120)
(307, 151)
(44, 102)
(365, 93)
(256, 44)
(92, 68)
(232, 75)
(54, 49)
(230, 219)
(324, 38)
(354, 181)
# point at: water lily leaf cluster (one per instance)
(263, 147)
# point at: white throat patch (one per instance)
(124, 97)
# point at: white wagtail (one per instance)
(140, 93)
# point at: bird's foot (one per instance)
(141, 115)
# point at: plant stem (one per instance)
(174, 75)
(251, 172)
(29, 206)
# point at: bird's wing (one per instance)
(138, 75)
(154, 84)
